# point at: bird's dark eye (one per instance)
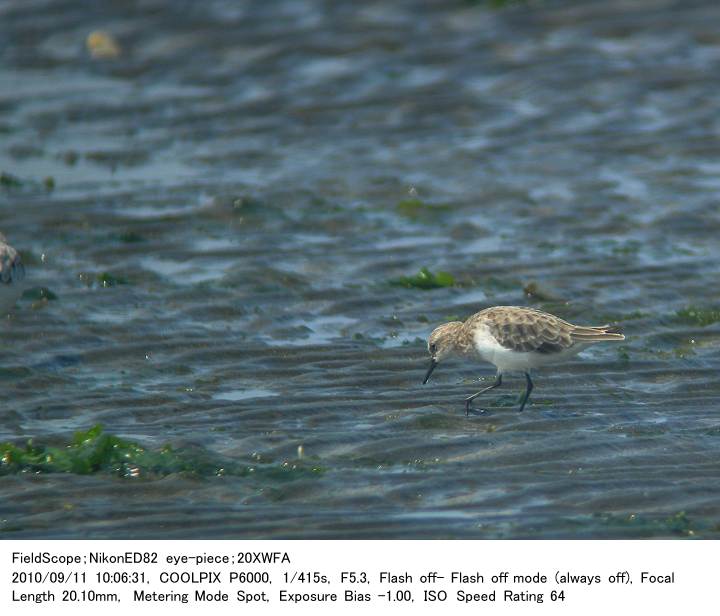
(433, 348)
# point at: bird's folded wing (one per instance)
(538, 332)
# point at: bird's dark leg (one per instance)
(527, 391)
(497, 383)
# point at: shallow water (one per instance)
(234, 196)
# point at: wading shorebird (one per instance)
(12, 272)
(514, 339)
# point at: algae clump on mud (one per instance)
(94, 451)
(425, 279)
(693, 315)
(8, 180)
(416, 208)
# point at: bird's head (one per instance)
(443, 342)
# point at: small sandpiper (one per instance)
(514, 339)
(12, 272)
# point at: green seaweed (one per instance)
(95, 452)
(617, 317)
(679, 524)
(414, 207)
(693, 315)
(106, 279)
(39, 294)
(635, 314)
(8, 180)
(103, 279)
(425, 280)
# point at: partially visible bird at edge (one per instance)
(12, 272)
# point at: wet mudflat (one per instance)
(243, 199)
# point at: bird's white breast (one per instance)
(490, 350)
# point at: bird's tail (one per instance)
(597, 334)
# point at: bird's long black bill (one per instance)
(433, 363)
